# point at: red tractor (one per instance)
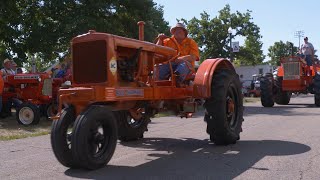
(252, 88)
(116, 91)
(30, 93)
(293, 76)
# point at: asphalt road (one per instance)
(276, 143)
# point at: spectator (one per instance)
(61, 72)
(14, 66)
(68, 74)
(188, 49)
(6, 70)
(54, 72)
(19, 70)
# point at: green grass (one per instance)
(20, 136)
(251, 100)
(10, 129)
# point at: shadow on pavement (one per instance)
(194, 159)
(284, 110)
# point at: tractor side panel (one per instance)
(203, 79)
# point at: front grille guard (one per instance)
(291, 70)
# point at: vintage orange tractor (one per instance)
(31, 92)
(293, 76)
(116, 91)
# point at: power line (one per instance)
(299, 34)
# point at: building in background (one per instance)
(246, 72)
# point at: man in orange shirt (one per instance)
(189, 53)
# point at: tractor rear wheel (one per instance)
(224, 109)
(266, 87)
(95, 136)
(28, 114)
(281, 97)
(316, 86)
(61, 133)
(131, 128)
(51, 109)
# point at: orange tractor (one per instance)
(116, 91)
(31, 93)
(293, 76)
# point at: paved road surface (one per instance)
(277, 143)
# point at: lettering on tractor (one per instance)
(116, 91)
(292, 76)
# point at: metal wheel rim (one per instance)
(69, 135)
(231, 116)
(26, 115)
(98, 139)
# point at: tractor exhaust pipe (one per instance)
(292, 50)
(141, 30)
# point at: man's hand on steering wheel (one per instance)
(162, 36)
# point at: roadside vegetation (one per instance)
(10, 129)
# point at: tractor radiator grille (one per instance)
(47, 87)
(291, 70)
(89, 62)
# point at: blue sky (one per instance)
(277, 19)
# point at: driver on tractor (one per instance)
(307, 51)
(189, 53)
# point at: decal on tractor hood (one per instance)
(113, 65)
(129, 92)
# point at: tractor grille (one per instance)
(47, 87)
(89, 62)
(291, 70)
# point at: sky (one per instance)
(277, 19)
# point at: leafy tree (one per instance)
(44, 28)
(213, 38)
(280, 49)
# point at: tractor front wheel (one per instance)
(266, 87)
(61, 133)
(28, 114)
(281, 97)
(224, 109)
(95, 136)
(316, 85)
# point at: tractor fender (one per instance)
(203, 78)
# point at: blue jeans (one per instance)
(180, 69)
(308, 59)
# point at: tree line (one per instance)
(43, 29)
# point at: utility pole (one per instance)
(299, 34)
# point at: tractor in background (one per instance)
(251, 88)
(120, 92)
(33, 95)
(293, 76)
